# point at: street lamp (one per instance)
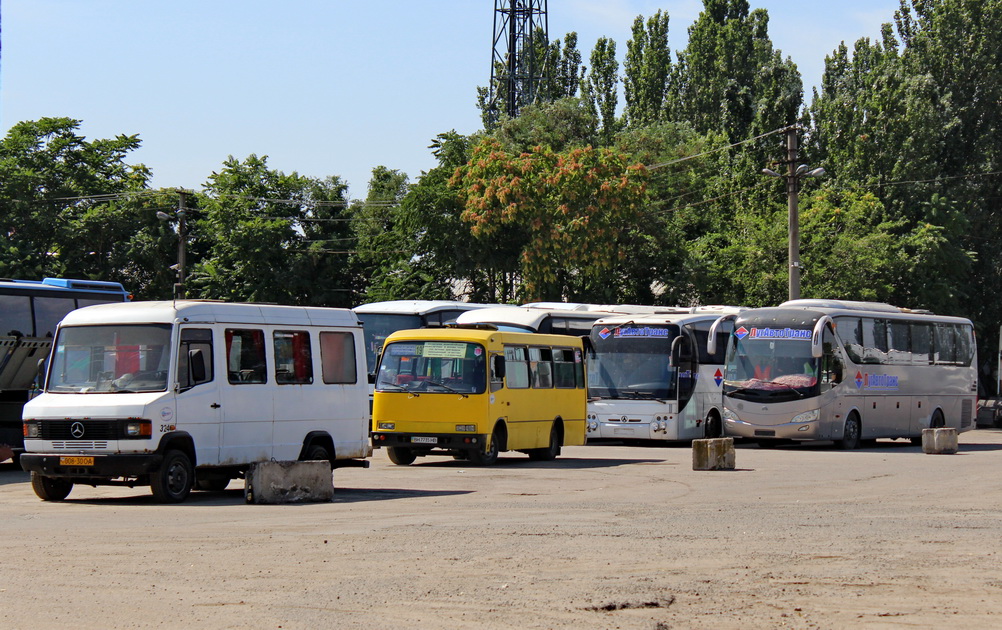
(793, 175)
(182, 237)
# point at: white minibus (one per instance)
(186, 394)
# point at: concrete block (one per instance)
(713, 454)
(289, 482)
(939, 441)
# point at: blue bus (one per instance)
(29, 312)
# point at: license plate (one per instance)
(424, 440)
(76, 461)
(618, 431)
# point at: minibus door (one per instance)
(196, 398)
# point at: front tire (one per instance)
(317, 452)
(50, 488)
(401, 456)
(851, 434)
(713, 428)
(490, 456)
(173, 482)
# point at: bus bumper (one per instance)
(429, 441)
(807, 430)
(91, 466)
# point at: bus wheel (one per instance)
(50, 488)
(938, 421)
(490, 456)
(316, 453)
(850, 436)
(173, 482)
(550, 452)
(401, 456)
(713, 427)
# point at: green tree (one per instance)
(63, 202)
(647, 68)
(572, 205)
(599, 89)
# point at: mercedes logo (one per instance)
(77, 430)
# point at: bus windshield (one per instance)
(113, 358)
(439, 367)
(773, 370)
(632, 362)
(376, 327)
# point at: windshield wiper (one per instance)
(446, 387)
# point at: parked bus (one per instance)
(549, 317)
(380, 319)
(851, 372)
(650, 377)
(186, 394)
(29, 312)
(475, 391)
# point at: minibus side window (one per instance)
(245, 362)
(516, 368)
(541, 368)
(564, 368)
(293, 357)
(337, 358)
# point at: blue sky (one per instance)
(322, 87)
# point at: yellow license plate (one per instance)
(76, 461)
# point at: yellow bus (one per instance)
(472, 391)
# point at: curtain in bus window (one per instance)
(874, 340)
(245, 359)
(516, 368)
(15, 316)
(946, 346)
(921, 344)
(293, 360)
(899, 350)
(337, 358)
(126, 358)
(48, 312)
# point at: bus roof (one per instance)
(678, 315)
(845, 308)
(206, 311)
(462, 333)
(58, 285)
(417, 307)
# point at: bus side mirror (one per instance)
(673, 355)
(40, 370)
(196, 363)
(497, 366)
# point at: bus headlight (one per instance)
(31, 429)
(471, 428)
(730, 416)
(807, 416)
(138, 428)
(386, 426)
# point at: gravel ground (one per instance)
(604, 537)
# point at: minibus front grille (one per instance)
(78, 445)
(765, 433)
(79, 429)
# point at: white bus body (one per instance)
(550, 318)
(850, 372)
(381, 319)
(131, 386)
(650, 377)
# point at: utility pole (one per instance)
(794, 172)
(182, 236)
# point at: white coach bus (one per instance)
(850, 372)
(550, 318)
(176, 395)
(650, 377)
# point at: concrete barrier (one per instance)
(289, 482)
(713, 454)
(939, 441)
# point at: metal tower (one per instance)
(516, 72)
